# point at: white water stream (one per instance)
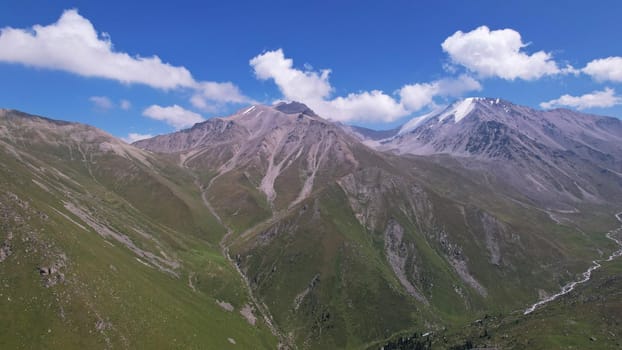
(586, 275)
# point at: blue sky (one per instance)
(370, 63)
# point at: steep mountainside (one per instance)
(346, 245)
(276, 226)
(551, 156)
(277, 155)
(365, 134)
(106, 246)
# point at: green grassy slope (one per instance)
(590, 317)
(324, 282)
(327, 280)
(103, 250)
(103, 245)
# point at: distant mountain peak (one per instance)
(458, 111)
(462, 108)
(493, 128)
(294, 107)
(13, 113)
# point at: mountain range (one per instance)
(274, 227)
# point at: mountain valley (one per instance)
(275, 227)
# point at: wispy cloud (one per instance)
(595, 99)
(133, 137)
(125, 105)
(209, 95)
(420, 95)
(174, 116)
(101, 102)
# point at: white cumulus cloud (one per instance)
(420, 95)
(133, 137)
(314, 89)
(498, 53)
(101, 102)
(372, 105)
(174, 116)
(605, 69)
(295, 84)
(595, 99)
(210, 95)
(72, 44)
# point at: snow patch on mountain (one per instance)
(249, 109)
(463, 109)
(415, 122)
(459, 110)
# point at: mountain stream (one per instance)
(586, 275)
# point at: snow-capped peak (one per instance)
(463, 108)
(416, 121)
(459, 109)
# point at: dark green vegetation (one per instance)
(589, 317)
(276, 226)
